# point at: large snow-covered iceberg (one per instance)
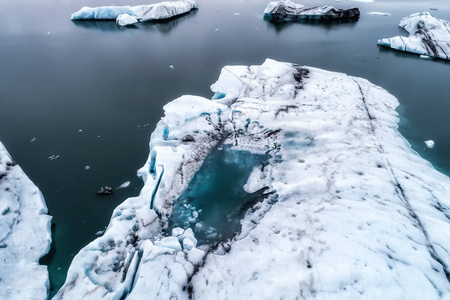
(289, 11)
(428, 36)
(24, 234)
(142, 13)
(349, 211)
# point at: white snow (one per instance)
(24, 234)
(429, 143)
(355, 213)
(428, 36)
(128, 15)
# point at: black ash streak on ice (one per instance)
(428, 36)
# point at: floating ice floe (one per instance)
(53, 157)
(24, 234)
(289, 11)
(124, 185)
(429, 143)
(428, 36)
(377, 13)
(129, 15)
(350, 210)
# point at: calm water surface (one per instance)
(92, 93)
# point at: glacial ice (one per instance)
(24, 234)
(353, 212)
(428, 36)
(129, 15)
(289, 11)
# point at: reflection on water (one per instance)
(163, 26)
(326, 24)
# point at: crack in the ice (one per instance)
(401, 193)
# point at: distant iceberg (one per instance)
(24, 234)
(350, 210)
(428, 36)
(125, 15)
(289, 11)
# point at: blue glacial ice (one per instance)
(129, 15)
(428, 36)
(289, 11)
(351, 211)
(24, 234)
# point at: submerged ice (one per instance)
(129, 15)
(289, 11)
(428, 36)
(24, 234)
(349, 211)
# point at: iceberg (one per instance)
(428, 36)
(24, 234)
(350, 210)
(129, 15)
(289, 11)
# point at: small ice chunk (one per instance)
(425, 56)
(80, 130)
(177, 231)
(217, 29)
(105, 191)
(429, 143)
(236, 14)
(188, 244)
(100, 232)
(33, 139)
(170, 242)
(126, 20)
(377, 13)
(53, 157)
(124, 185)
(87, 167)
(171, 66)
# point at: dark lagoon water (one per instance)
(92, 93)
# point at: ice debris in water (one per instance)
(352, 211)
(87, 167)
(32, 140)
(124, 185)
(106, 190)
(129, 15)
(289, 11)
(429, 143)
(428, 36)
(24, 234)
(53, 157)
(377, 13)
